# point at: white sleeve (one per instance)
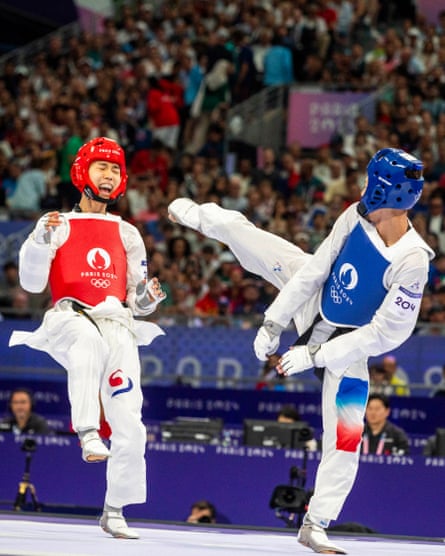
(310, 278)
(35, 260)
(392, 323)
(34, 265)
(136, 265)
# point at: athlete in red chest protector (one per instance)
(96, 266)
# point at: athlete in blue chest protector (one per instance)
(358, 296)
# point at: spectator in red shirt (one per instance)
(163, 113)
(289, 175)
(174, 87)
(328, 13)
(214, 303)
(155, 160)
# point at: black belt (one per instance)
(304, 338)
(81, 309)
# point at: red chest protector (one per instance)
(91, 264)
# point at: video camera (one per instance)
(29, 445)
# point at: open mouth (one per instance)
(105, 188)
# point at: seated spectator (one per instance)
(208, 260)
(234, 200)
(309, 187)
(251, 305)
(267, 167)
(178, 251)
(288, 414)
(202, 511)
(317, 226)
(436, 322)
(33, 185)
(278, 223)
(303, 241)
(289, 176)
(8, 282)
(439, 392)
(213, 147)
(227, 263)
(235, 285)
(182, 303)
(14, 301)
(378, 380)
(335, 182)
(397, 382)
(434, 444)
(437, 272)
(138, 192)
(267, 201)
(153, 161)
(20, 305)
(436, 217)
(11, 176)
(22, 418)
(270, 379)
(381, 437)
(214, 303)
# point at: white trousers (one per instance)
(105, 363)
(343, 399)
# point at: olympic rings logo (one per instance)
(100, 283)
(335, 296)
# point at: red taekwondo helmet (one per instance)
(100, 148)
(395, 180)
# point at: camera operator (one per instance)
(22, 418)
(202, 511)
(289, 414)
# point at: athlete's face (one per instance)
(106, 176)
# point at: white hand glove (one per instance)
(42, 235)
(297, 360)
(154, 288)
(267, 340)
(46, 226)
(149, 294)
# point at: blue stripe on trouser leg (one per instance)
(344, 402)
(351, 396)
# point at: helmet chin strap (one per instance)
(361, 209)
(91, 195)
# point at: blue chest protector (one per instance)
(354, 289)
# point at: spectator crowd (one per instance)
(159, 79)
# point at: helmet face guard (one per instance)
(394, 181)
(100, 148)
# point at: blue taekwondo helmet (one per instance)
(394, 181)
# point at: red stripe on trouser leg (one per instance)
(348, 438)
